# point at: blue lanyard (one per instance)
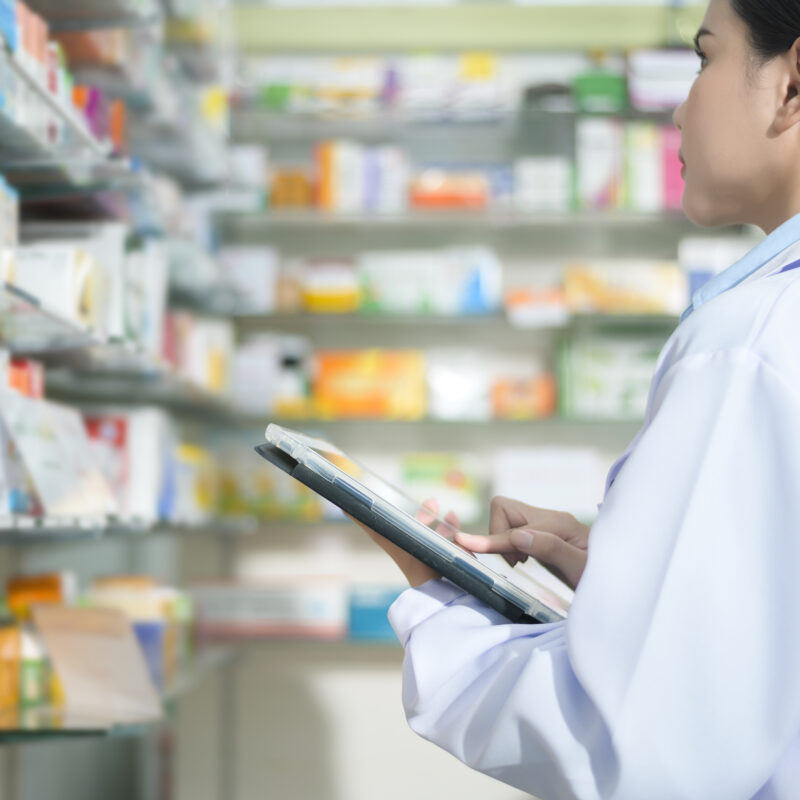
(789, 267)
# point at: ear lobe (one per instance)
(788, 114)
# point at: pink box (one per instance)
(673, 180)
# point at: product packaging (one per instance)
(644, 167)
(376, 384)
(543, 185)
(625, 287)
(315, 607)
(135, 452)
(599, 145)
(660, 80)
(607, 376)
(52, 445)
(10, 663)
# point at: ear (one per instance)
(788, 113)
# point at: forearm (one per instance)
(488, 692)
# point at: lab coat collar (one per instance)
(762, 254)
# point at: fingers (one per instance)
(450, 527)
(452, 519)
(561, 558)
(428, 511)
(507, 513)
(497, 543)
(516, 545)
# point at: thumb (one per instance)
(565, 560)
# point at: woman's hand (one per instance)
(415, 571)
(516, 530)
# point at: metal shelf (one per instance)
(19, 726)
(66, 15)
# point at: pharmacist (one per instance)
(677, 674)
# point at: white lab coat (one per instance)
(677, 674)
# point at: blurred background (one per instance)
(446, 235)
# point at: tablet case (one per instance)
(359, 505)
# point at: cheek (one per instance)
(723, 138)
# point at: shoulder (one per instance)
(759, 320)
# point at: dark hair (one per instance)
(773, 25)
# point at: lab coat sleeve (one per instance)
(676, 674)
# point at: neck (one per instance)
(780, 207)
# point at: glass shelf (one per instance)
(65, 15)
(105, 383)
(29, 162)
(25, 531)
(88, 364)
(251, 123)
(26, 326)
(233, 224)
(18, 726)
(308, 323)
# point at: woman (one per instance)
(677, 674)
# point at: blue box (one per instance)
(151, 640)
(8, 24)
(368, 608)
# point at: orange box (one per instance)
(290, 188)
(25, 591)
(27, 377)
(105, 48)
(446, 190)
(370, 384)
(528, 398)
(10, 652)
(118, 124)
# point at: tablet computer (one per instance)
(365, 496)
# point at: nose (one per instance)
(677, 116)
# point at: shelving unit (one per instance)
(47, 723)
(87, 369)
(79, 178)
(30, 163)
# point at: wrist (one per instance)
(418, 575)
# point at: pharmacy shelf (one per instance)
(460, 435)
(106, 384)
(27, 161)
(67, 15)
(27, 326)
(27, 532)
(85, 362)
(323, 326)
(253, 124)
(20, 726)
(232, 225)
(464, 26)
